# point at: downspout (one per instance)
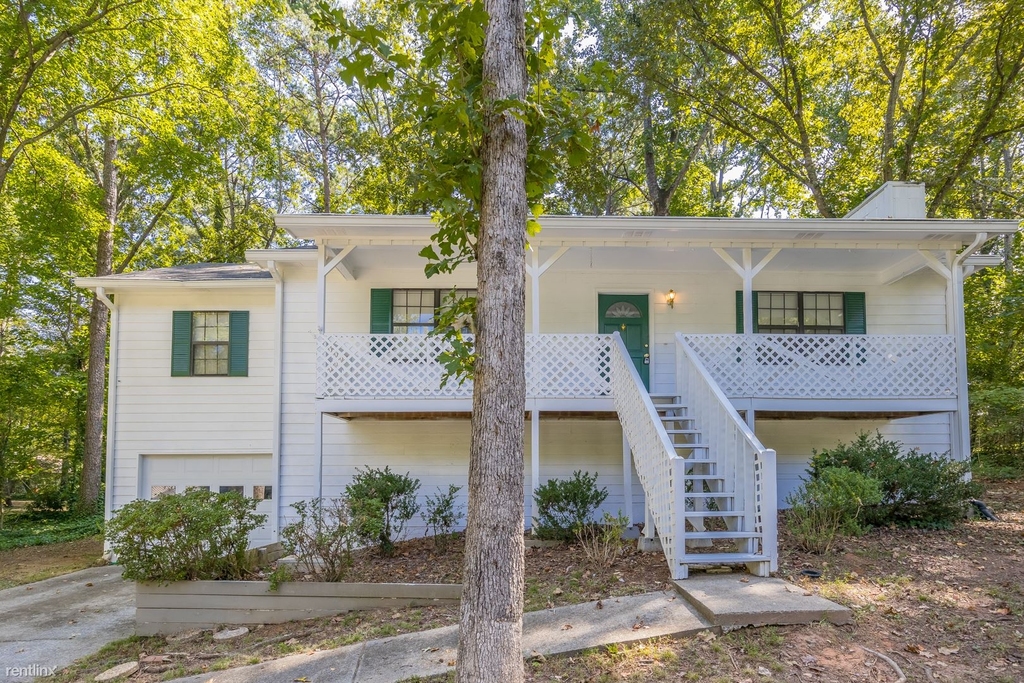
(275, 455)
(108, 494)
(963, 407)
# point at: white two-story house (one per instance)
(693, 363)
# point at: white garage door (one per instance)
(250, 475)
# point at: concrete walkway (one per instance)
(718, 601)
(52, 623)
(427, 653)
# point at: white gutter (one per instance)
(275, 455)
(108, 496)
(963, 408)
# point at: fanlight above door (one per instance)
(623, 309)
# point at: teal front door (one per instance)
(627, 314)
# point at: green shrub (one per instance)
(381, 502)
(830, 504)
(565, 505)
(321, 538)
(443, 515)
(186, 536)
(917, 489)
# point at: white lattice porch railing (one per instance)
(399, 366)
(742, 458)
(658, 466)
(829, 366)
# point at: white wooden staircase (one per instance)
(714, 532)
(709, 483)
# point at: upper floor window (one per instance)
(800, 313)
(210, 336)
(408, 311)
(210, 343)
(805, 312)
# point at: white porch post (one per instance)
(747, 272)
(627, 478)
(321, 286)
(962, 418)
(535, 270)
(318, 448)
(953, 272)
(534, 459)
(963, 415)
(748, 293)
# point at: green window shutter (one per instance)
(380, 311)
(855, 313)
(181, 344)
(739, 311)
(238, 344)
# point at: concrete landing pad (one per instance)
(731, 601)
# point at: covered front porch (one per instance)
(905, 374)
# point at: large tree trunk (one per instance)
(491, 613)
(92, 459)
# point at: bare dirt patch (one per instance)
(35, 563)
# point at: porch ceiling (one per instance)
(666, 259)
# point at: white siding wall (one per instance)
(157, 413)
(160, 414)
(437, 453)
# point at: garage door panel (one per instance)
(167, 473)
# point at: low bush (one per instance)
(187, 536)
(603, 543)
(565, 505)
(322, 538)
(830, 504)
(443, 515)
(917, 489)
(381, 502)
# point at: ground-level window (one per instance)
(232, 489)
(408, 311)
(782, 312)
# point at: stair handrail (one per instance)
(658, 466)
(760, 495)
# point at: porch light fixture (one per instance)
(670, 298)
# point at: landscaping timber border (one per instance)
(184, 605)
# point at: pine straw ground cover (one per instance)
(941, 605)
(554, 577)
